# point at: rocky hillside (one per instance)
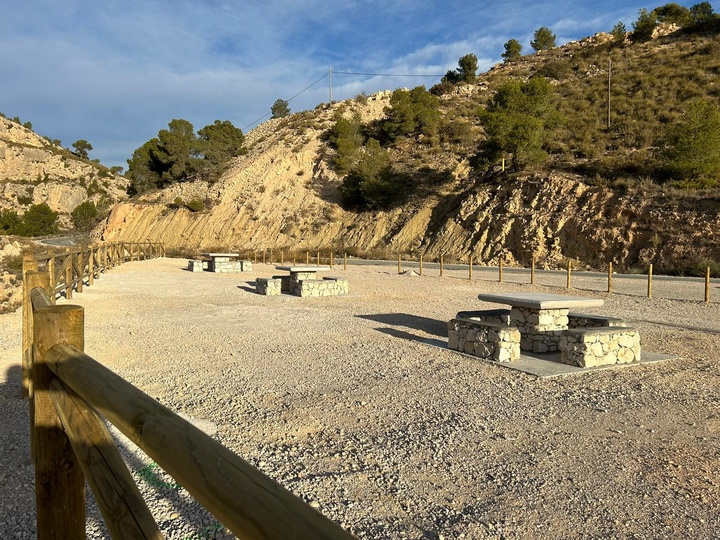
(283, 193)
(33, 170)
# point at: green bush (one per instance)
(84, 216)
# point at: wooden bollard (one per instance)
(271, 257)
(707, 285)
(441, 264)
(59, 481)
(470, 268)
(318, 258)
(344, 261)
(264, 256)
(650, 276)
(331, 259)
(254, 256)
(610, 270)
(399, 268)
(532, 271)
(307, 257)
(500, 271)
(569, 274)
(282, 257)
(421, 258)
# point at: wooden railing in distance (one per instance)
(68, 270)
(69, 391)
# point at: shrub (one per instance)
(85, 216)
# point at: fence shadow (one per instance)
(426, 324)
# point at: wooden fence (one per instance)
(70, 393)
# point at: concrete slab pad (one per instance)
(548, 365)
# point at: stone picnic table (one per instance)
(221, 262)
(302, 281)
(541, 318)
(543, 323)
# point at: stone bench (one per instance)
(500, 316)
(268, 286)
(599, 346)
(322, 287)
(197, 265)
(488, 340)
(581, 320)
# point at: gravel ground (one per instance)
(353, 404)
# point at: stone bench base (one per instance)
(225, 267)
(491, 341)
(197, 265)
(581, 320)
(500, 316)
(268, 286)
(323, 287)
(589, 347)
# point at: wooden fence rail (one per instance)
(70, 393)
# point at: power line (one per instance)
(288, 100)
(387, 74)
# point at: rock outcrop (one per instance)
(33, 170)
(284, 194)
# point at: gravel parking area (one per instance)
(352, 403)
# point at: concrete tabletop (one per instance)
(222, 254)
(302, 268)
(541, 300)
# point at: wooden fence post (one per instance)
(331, 259)
(609, 288)
(569, 274)
(68, 274)
(707, 285)
(29, 265)
(59, 481)
(307, 257)
(52, 276)
(345, 261)
(441, 265)
(470, 267)
(282, 257)
(80, 270)
(421, 259)
(500, 271)
(91, 266)
(532, 271)
(650, 276)
(264, 250)
(399, 268)
(318, 258)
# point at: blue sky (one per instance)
(116, 72)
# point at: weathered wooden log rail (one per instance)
(70, 394)
(69, 269)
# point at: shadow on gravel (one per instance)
(431, 326)
(412, 337)
(681, 326)
(249, 287)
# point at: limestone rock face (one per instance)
(283, 194)
(34, 170)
